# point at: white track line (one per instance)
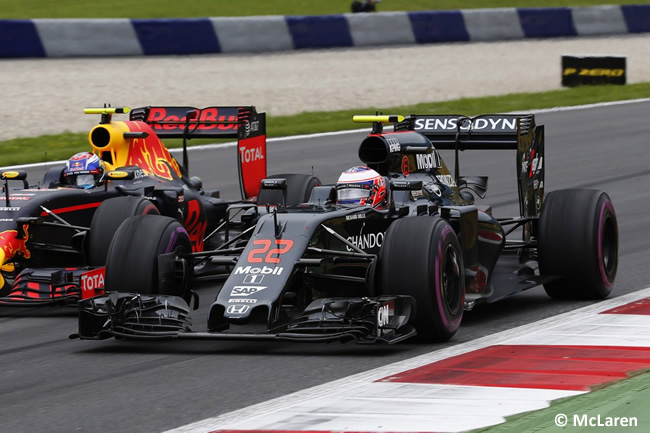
(280, 408)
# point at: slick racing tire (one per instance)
(421, 257)
(132, 261)
(299, 188)
(108, 217)
(578, 241)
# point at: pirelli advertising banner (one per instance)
(580, 71)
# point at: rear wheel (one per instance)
(299, 188)
(578, 241)
(421, 257)
(132, 263)
(108, 217)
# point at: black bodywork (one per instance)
(308, 272)
(44, 227)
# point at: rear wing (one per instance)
(242, 123)
(488, 131)
(491, 132)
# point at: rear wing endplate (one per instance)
(242, 123)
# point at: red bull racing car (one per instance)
(396, 248)
(54, 236)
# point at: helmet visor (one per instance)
(85, 179)
(345, 194)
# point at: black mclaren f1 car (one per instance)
(54, 236)
(325, 271)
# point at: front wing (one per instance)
(54, 286)
(134, 316)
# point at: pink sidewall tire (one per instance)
(421, 257)
(578, 242)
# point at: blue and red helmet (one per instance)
(83, 169)
(362, 186)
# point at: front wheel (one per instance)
(421, 257)
(578, 242)
(107, 218)
(132, 264)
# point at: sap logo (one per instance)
(237, 309)
(446, 179)
(264, 270)
(393, 144)
(384, 313)
(246, 290)
(428, 161)
(250, 155)
(366, 241)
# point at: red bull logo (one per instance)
(10, 246)
(211, 114)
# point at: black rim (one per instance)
(609, 247)
(451, 280)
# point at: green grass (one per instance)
(212, 8)
(628, 398)
(61, 146)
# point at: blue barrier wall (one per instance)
(124, 37)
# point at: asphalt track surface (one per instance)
(53, 384)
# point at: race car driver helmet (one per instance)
(84, 169)
(361, 186)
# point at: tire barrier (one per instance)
(183, 36)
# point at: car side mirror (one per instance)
(13, 175)
(126, 173)
(8, 175)
(276, 184)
